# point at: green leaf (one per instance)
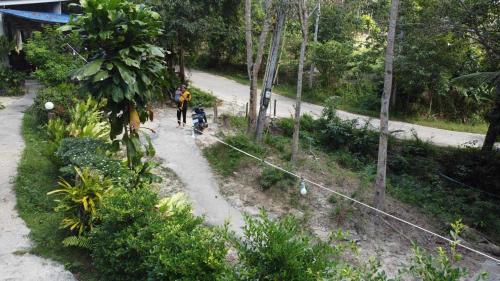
(117, 94)
(131, 62)
(90, 69)
(101, 76)
(127, 75)
(156, 51)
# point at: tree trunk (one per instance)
(380, 182)
(248, 36)
(255, 66)
(182, 69)
(316, 28)
(298, 101)
(270, 72)
(494, 127)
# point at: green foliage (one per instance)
(85, 121)
(36, 176)
(48, 52)
(280, 250)
(226, 160)
(11, 82)
(63, 96)
(6, 47)
(138, 238)
(273, 177)
(79, 202)
(333, 60)
(125, 66)
(202, 98)
(443, 266)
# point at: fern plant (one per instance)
(79, 202)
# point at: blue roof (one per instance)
(37, 16)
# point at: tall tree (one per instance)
(271, 68)
(316, 28)
(304, 20)
(125, 67)
(254, 63)
(380, 182)
(478, 20)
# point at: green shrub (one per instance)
(129, 220)
(11, 82)
(48, 52)
(273, 177)
(138, 240)
(63, 96)
(201, 98)
(280, 250)
(307, 124)
(86, 120)
(79, 202)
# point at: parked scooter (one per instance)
(199, 119)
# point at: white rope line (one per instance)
(354, 200)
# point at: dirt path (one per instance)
(15, 263)
(178, 149)
(231, 91)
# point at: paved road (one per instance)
(178, 149)
(231, 91)
(14, 241)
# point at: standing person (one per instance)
(182, 105)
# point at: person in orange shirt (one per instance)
(182, 106)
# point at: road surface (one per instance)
(231, 91)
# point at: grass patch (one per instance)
(37, 175)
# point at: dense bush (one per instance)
(137, 241)
(52, 58)
(79, 202)
(273, 177)
(63, 96)
(11, 82)
(280, 250)
(201, 98)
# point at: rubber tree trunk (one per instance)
(182, 67)
(298, 101)
(380, 182)
(272, 66)
(316, 28)
(253, 67)
(494, 127)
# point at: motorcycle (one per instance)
(199, 119)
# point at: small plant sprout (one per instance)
(303, 190)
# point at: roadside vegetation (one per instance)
(86, 180)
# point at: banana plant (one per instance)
(125, 65)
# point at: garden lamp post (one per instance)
(49, 106)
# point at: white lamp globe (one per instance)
(49, 105)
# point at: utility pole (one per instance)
(316, 28)
(265, 97)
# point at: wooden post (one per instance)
(275, 108)
(215, 112)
